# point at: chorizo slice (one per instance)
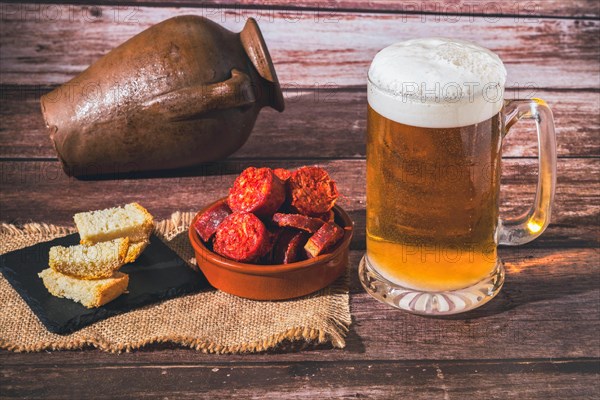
(326, 237)
(298, 221)
(288, 248)
(258, 191)
(242, 237)
(312, 191)
(282, 173)
(207, 224)
(273, 234)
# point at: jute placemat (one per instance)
(211, 321)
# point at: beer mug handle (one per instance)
(530, 225)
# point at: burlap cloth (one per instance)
(211, 321)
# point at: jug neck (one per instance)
(256, 50)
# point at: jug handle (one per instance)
(191, 102)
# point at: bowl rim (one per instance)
(269, 269)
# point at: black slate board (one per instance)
(158, 274)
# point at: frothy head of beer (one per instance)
(436, 83)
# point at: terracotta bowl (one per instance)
(273, 282)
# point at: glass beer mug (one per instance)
(436, 120)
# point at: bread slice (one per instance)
(97, 261)
(90, 293)
(134, 251)
(132, 221)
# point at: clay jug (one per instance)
(183, 92)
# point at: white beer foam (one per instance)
(436, 83)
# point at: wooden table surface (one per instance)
(537, 339)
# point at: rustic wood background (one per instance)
(538, 339)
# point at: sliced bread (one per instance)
(134, 251)
(90, 293)
(96, 261)
(132, 221)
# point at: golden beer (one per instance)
(432, 202)
(436, 119)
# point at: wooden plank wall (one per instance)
(539, 339)
(311, 48)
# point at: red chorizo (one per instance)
(257, 190)
(326, 237)
(207, 224)
(288, 248)
(282, 173)
(298, 221)
(312, 191)
(273, 234)
(242, 237)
